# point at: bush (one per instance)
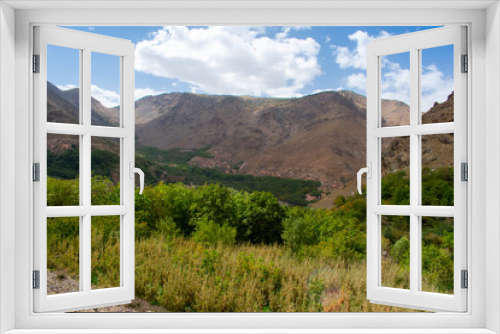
(299, 232)
(63, 192)
(400, 252)
(260, 219)
(339, 200)
(210, 233)
(166, 228)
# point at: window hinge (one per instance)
(465, 279)
(36, 63)
(465, 64)
(464, 168)
(36, 279)
(36, 172)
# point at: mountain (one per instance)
(437, 150)
(63, 107)
(317, 137)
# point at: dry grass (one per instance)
(181, 275)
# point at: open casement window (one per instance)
(429, 139)
(71, 132)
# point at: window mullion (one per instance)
(414, 170)
(85, 178)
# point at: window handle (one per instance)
(135, 170)
(368, 171)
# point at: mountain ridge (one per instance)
(320, 137)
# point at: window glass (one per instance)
(437, 169)
(395, 89)
(63, 255)
(395, 243)
(63, 170)
(105, 164)
(105, 89)
(437, 254)
(63, 88)
(105, 252)
(395, 163)
(436, 101)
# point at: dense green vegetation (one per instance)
(175, 156)
(214, 248)
(174, 163)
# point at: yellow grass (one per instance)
(181, 275)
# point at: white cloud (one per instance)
(139, 93)
(395, 79)
(66, 87)
(435, 86)
(230, 60)
(395, 82)
(108, 98)
(327, 90)
(357, 81)
(327, 39)
(286, 30)
(91, 28)
(355, 58)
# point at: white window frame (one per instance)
(86, 43)
(484, 103)
(413, 43)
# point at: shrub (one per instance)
(260, 219)
(210, 233)
(63, 192)
(400, 252)
(299, 232)
(339, 200)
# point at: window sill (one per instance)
(250, 331)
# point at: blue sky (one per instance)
(257, 61)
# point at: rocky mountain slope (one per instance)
(317, 137)
(437, 151)
(63, 107)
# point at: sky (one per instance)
(271, 61)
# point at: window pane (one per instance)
(63, 170)
(437, 102)
(105, 89)
(395, 89)
(395, 163)
(105, 171)
(437, 254)
(437, 170)
(63, 255)
(63, 93)
(395, 244)
(105, 252)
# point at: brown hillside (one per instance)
(437, 150)
(63, 107)
(318, 137)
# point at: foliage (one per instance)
(259, 219)
(175, 156)
(396, 188)
(155, 163)
(65, 165)
(210, 233)
(213, 248)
